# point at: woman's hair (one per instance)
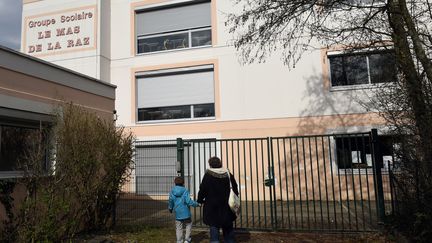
(215, 162)
(179, 181)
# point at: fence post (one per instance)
(378, 159)
(271, 185)
(180, 157)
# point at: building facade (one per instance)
(139, 45)
(30, 92)
(178, 74)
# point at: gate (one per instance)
(335, 182)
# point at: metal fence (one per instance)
(337, 182)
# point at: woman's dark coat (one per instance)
(214, 193)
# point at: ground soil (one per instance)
(257, 237)
(168, 235)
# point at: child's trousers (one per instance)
(180, 224)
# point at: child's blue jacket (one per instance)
(180, 201)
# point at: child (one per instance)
(179, 201)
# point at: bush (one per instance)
(412, 192)
(77, 191)
(7, 186)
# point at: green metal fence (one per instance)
(336, 182)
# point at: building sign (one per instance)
(58, 32)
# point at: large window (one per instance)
(349, 4)
(17, 143)
(174, 27)
(176, 94)
(363, 2)
(355, 152)
(362, 68)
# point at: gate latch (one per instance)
(269, 179)
(178, 167)
(269, 182)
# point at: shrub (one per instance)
(77, 191)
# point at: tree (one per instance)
(297, 26)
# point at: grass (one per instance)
(144, 234)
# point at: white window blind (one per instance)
(174, 89)
(158, 161)
(173, 19)
(155, 169)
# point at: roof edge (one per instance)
(48, 71)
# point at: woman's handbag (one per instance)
(233, 200)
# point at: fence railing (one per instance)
(337, 182)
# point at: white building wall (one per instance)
(256, 91)
(83, 60)
(247, 92)
(105, 40)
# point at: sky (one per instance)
(10, 23)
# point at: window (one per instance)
(348, 4)
(173, 27)
(176, 94)
(16, 143)
(156, 168)
(362, 68)
(355, 152)
(364, 2)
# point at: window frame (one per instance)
(173, 72)
(192, 119)
(189, 47)
(366, 53)
(26, 124)
(189, 31)
(344, 6)
(356, 171)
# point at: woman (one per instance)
(213, 194)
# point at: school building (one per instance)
(178, 75)
(30, 91)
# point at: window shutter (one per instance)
(173, 19)
(155, 170)
(173, 89)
